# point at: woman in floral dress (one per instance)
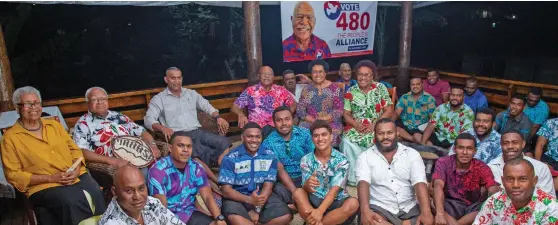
(321, 100)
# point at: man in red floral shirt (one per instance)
(458, 180)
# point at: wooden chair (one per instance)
(393, 93)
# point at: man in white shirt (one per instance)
(512, 145)
(389, 174)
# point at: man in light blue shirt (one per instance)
(537, 110)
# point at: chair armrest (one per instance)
(101, 167)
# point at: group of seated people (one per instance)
(288, 161)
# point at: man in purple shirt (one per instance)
(438, 88)
(176, 180)
(458, 180)
(474, 97)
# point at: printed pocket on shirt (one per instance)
(262, 165)
(242, 167)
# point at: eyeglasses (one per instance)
(99, 100)
(30, 104)
(301, 17)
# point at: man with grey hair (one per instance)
(175, 109)
(94, 131)
(346, 76)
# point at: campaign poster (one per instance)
(327, 29)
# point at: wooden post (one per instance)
(406, 26)
(6, 80)
(252, 32)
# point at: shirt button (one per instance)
(396, 193)
(389, 168)
(391, 180)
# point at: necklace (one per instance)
(32, 130)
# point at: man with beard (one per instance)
(363, 105)
(438, 88)
(323, 199)
(289, 81)
(448, 120)
(175, 109)
(512, 146)
(391, 178)
(346, 76)
(474, 97)
(414, 109)
(488, 140)
(260, 100)
(176, 179)
(302, 44)
(458, 181)
(521, 202)
(247, 176)
(515, 119)
(132, 205)
(289, 143)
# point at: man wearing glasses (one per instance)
(260, 100)
(94, 130)
(302, 44)
(289, 143)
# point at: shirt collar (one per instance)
(123, 214)
(94, 117)
(242, 150)
(170, 93)
(518, 118)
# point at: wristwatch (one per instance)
(258, 209)
(220, 218)
(216, 117)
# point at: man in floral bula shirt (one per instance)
(521, 202)
(448, 120)
(364, 103)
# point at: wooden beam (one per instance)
(252, 32)
(6, 80)
(406, 26)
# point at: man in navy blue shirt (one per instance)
(247, 174)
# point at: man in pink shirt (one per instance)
(436, 87)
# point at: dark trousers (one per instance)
(208, 146)
(67, 205)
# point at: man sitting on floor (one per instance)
(474, 97)
(323, 198)
(247, 175)
(458, 180)
(512, 146)
(414, 109)
(521, 202)
(488, 140)
(176, 180)
(94, 131)
(448, 121)
(515, 119)
(131, 205)
(548, 135)
(391, 178)
(175, 109)
(289, 143)
(438, 88)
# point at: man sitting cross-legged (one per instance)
(247, 174)
(521, 202)
(323, 199)
(391, 178)
(132, 205)
(458, 180)
(448, 120)
(289, 143)
(176, 180)
(512, 146)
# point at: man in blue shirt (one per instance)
(289, 143)
(537, 110)
(346, 76)
(474, 97)
(323, 198)
(247, 175)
